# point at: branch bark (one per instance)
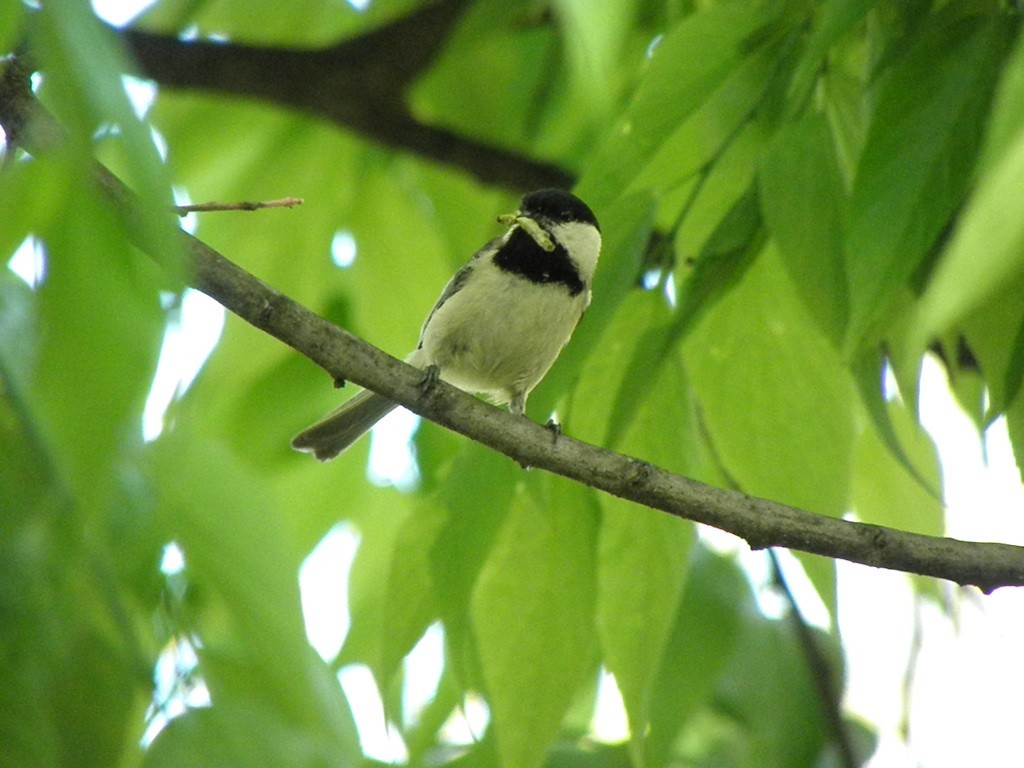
(762, 523)
(359, 84)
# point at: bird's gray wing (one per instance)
(458, 281)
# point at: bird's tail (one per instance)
(343, 426)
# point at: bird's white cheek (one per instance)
(583, 242)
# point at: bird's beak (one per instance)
(530, 227)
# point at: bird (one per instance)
(500, 322)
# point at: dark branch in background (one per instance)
(760, 522)
(822, 672)
(359, 84)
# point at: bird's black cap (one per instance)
(558, 206)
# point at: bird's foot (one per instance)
(431, 375)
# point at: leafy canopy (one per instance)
(794, 195)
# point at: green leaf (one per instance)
(868, 372)
(994, 335)
(705, 140)
(885, 493)
(593, 412)
(532, 612)
(724, 259)
(802, 197)
(642, 557)
(477, 493)
(93, 703)
(687, 65)
(12, 19)
(308, 23)
(19, 338)
(642, 554)
(833, 20)
(493, 80)
(367, 585)
(986, 248)
(770, 387)
(239, 735)
(910, 181)
(1015, 427)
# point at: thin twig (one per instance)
(245, 205)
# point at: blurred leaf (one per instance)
(909, 182)
(1015, 427)
(368, 594)
(308, 22)
(97, 355)
(239, 552)
(84, 63)
(237, 736)
(594, 35)
(19, 337)
(802, 197)
(12, 19)
(636, 604)
(766, 690)
(410, 597)
(532, 611)
(493, 79)
(93, 703)
(643, 554)
(844, 102)
(702, 639)
(477, 493)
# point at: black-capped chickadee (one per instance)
(501, 321)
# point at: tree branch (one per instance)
(762, 523)
(359, 84)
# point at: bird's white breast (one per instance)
(501, 333)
